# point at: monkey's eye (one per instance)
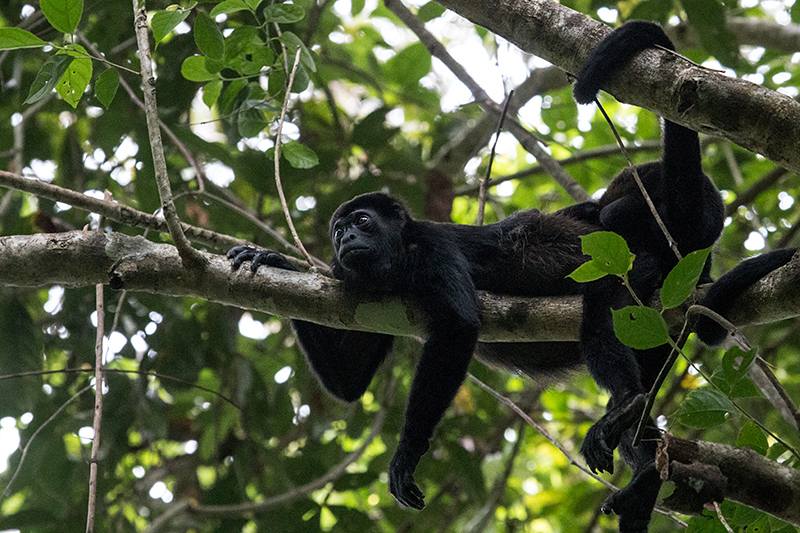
(337, 234)
(362, 220)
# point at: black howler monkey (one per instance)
(380, 249)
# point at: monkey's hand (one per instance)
(401, 480)
(257, 257)
(605, 434)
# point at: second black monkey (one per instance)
(380, 249)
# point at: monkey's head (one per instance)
(367, 235)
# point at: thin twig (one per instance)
(143, 373)
(282, 196)
(485, 180)
(722, 518)
(114, 211)
(190, 257)
(670, 241)
(99, 380)
(788, 404)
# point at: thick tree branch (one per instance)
(738, 474)
(78, 259)
(753, 117)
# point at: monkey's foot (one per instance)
(605, 434)
(634, 504)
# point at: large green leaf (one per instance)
(106, 85)
(299, 156)
(704, 408)
(194, 69)
(208, 37)
(409, 65)
(609, 252)
(682, 279)
(76, 78)
(640, 327)
(63, 15)
(11, 38)
(164, 22)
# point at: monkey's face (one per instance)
(367, 249)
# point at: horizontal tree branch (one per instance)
(754, 117)
(80, 258)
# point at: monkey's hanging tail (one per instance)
(726, 290)
(614, 53)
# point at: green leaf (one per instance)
(76, 78)
(753, 437)
(284, 13)
(641, 328)
(63, 15)
(253, 4)
(292, 42)
(733, 377)
(704, 408)
(106, 85)
(587, 272)
(194, 69)
(12, 38)
(230, 94)
(47, 77)
(228, 6)
(708, 18)
(299, 155)
(251, 122)
(609, 252)
(164, 22)
(430, 11)
(682, 279)
(371, 131)
(409, 65)
(208, 37)
(211, 91)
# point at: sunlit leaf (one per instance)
(194, 69)
(76, 77)
(609, 252)
(640, 327)
(163, 22)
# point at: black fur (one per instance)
(723, 294)
(380, 249)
